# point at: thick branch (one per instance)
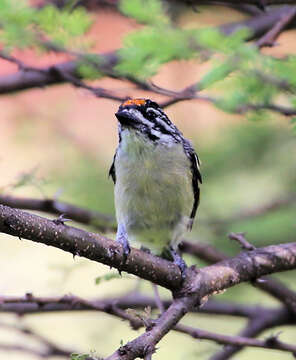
(273, 287)
(100, 221)
(195, 290)
(98, 248)
(199, 249)
(92, 246)
(50, 75)
(145, 344)
(257, 323)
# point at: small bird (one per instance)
(156, 175)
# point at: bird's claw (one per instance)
(177, 259)
(122, 239)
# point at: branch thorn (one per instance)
(61, 220)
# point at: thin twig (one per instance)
(270, 37)
(30, 304)
(254, 212)
(20, 64)
(158, 299)
(51, 349)
(240, 238)
(269, 343)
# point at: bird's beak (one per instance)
(125, 117)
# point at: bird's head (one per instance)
(146, 117)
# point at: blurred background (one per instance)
(59, 141)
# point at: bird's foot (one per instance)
(178, 260)
(122, 239)
(145, 249)
(126, 247)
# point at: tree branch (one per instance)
(50, 348)
(253, 328)
(145, 344)
(50, 75)
(271, 286)
(196, 288)
(254, 212)
(270, 37)
(195, 291)
(92, 246)
(241, 341)
(102, 222)
(268, 317)
(98, 248)
(29, 304)
(198, 249)
(261, 3)
(29, 77)
(257, 324)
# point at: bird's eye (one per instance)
(151, 114)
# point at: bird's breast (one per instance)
(153, 184)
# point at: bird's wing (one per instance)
(196, 179)
(112, 172)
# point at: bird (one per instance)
(156, 175)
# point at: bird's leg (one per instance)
(177, 259)
(145, 249)
(122, 239)
(171, 254)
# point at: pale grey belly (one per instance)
(154, 196)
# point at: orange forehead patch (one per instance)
(138, 102)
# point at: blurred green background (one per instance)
(59, 142)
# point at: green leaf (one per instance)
(76, 356)
(88, 71)
(107, 277)
(145, 11)
(141, 56)
(217, 73)
(60, 25)
(15, 19)
(89, 65)
(213, 39)
(22, 24)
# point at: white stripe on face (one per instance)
(157, 112)
(138, 115)
(160, 117)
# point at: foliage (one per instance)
(24, 26)
(255, 78)
(147, 12)
(250, 77)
